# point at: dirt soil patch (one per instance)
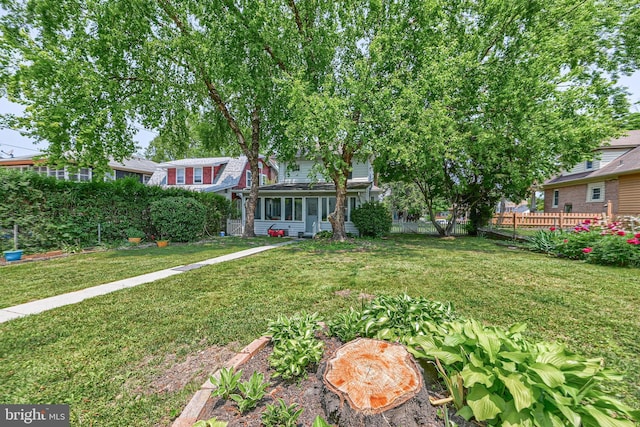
(304, 392)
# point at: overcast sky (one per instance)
(22, 146)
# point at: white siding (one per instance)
(601, 159)
(361, 171)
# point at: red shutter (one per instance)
(171, 176)
(206, 175)
(188, 176)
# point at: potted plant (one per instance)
(15, 254)
(134, 235)
(162, 242)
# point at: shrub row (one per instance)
(53, 214)
(605, 244)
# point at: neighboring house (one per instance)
(137, 167)
(226, 176)
(300, 204)
(613, 174)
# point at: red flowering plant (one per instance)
(607, 244)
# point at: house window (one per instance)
(263, 179)
(295, 167)
(258, 212)
(180, 176)
(248, 179)
(595, 192)
(297, 202)
(197, 175)
(556, 198)
(323, 208)
(272, 208)
(331, 205)
(352, 207)
(589, 164)
(288, 208)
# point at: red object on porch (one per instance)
(274, 232)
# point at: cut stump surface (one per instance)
(373, 376)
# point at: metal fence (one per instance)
(425, 227)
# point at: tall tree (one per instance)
(87, 71)
(329, 86)
(487, 98)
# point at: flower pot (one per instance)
(162, 243)
(135, 240)
(15, 255)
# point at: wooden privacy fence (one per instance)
(543, 220)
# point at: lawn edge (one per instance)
(196, 405)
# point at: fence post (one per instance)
(609, 209)
(560, 219)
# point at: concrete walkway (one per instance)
(39, 306)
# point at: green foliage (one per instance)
(52, 214)
(251, 392)
(212, 422)
(347, 326)
(134, 232)
(615, 250)
(544, 241)
(320, 422)
(389, 317)
(511, 381)
(178, 219)
(372, 219)
(227, 383)
(281, 415)
(324, 234)
(295, 345)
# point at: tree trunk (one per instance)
(253, 155)
(375, 383)
(336, 218)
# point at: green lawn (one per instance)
(31, 281)
(100, 355)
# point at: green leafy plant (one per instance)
(615, 250)
(372, 219)
(284, 327)
(281, 415)
(545, 241)
(251, 392)
(134, 232)
(320, 422)
(295, 345)
(212, 422)
(179, 219)
(226, 383)
(389, 317)
(511, 381)
(347, 326)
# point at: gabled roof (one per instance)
(627, 163)
(228, 177)
(134, 164)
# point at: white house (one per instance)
(300, 201)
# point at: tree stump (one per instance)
(381, 384)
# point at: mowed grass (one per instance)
(101, 355)
(25, 282)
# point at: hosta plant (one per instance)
(291, 357)
(510, 381)
(226, 383)
(347, 326)
(251, 392)
(295, 345)
(213, 422)
(388, 317)
(281, 415)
